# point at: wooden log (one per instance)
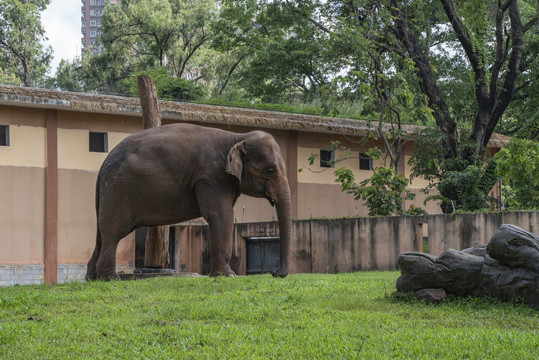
(156, 249)
(156, 253)
(148, 102)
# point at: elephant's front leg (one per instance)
(221, 228)
(217, 210)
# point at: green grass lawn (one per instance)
(345, 316)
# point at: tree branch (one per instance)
(230, 73)
(428, 85)
(462, 36)
(530, 24)
(509, 85)
(499, 54)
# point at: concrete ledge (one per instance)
(32, 274)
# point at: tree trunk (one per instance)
(405, 35)
(148, 101)
(156, 250)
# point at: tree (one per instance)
(467, 63)
(493, 50)
(156, 253)
(138, 35)
(69, 76)
(284, 55)
(21, 31)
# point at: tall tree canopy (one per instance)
(141, 34)
(285, 55)
(21, 53)
(469, 60)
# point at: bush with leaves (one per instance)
(463, 184)
(167, 86)
(518, 166)
(384, 193)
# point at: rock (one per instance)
(479, 250)
(506, 283)
(506, 268)
(454, 271)
(515, 247)
(430, 295)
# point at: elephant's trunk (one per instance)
(284, 215)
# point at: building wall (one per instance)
(22, 190)
(318, 193)
(343, 245)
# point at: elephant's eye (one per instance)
(270, 172)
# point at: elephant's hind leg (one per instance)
(106, 263)
(91, 270)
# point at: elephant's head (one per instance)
(259, 167)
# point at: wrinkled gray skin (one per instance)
(178, 172)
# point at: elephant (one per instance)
(177, 172)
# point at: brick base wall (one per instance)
(32, 274)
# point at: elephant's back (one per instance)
(170, 149)
(186, 136)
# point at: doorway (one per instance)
(263, 254)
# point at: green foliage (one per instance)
(384, 193)
(304, 316)
(463, 183)
(141, 35)
(283, 52)
(68, 76)
(9, 79)
(168, 87)
(518, 166)
(21, 53)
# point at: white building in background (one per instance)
(91, 12)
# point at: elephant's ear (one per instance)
(234, 164)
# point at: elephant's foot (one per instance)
(90, 276)
(91, 270)
(109, 276)
(280, 273)
(223, 272)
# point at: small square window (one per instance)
(4, 135)
(365, 162)
(99, 142)
(327, 158)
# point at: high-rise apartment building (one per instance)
(91, 12)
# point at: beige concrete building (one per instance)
(52, 145)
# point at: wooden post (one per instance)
(419, 237)
(148, 101)
(156, 248)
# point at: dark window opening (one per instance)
(365, 162)
(4, 135)
(99, 142)
(327, 158)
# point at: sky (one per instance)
(61, 21)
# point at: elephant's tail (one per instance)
(97, 196)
